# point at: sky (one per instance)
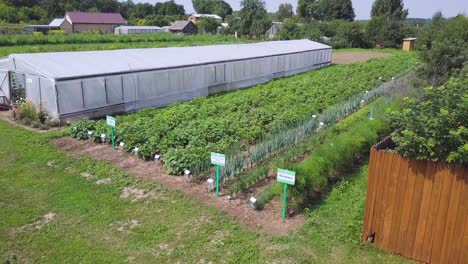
(417, 8)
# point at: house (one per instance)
(183, 27)
(198, 17)
(274, 29)
(408, 44)
(100, 22)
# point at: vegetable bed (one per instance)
(185, 133)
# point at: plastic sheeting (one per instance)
(104, 82)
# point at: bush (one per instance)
(38, 34)
(436, 128)
(56, 32)
(30, 115)
(443, 47)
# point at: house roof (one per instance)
(138, 27)
(95, 18)
(57, 22)
(180, 24)
(71, 65)
(207, 15)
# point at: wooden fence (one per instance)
(417, 209)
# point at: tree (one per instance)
(387, 24)
(307, 9)
(284, 11)
(334, 9)
(443, 46)
(253, 18)
(390, 9)
(290, 30)
(209, 25)
(217, 7)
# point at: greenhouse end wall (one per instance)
(127, 92)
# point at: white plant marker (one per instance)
(103, 137)
(210, 184)
(252, 200)
(157, 157)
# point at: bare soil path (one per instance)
(266, 221)
(349, 57)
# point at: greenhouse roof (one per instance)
(70, 65)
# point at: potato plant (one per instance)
(184, 133)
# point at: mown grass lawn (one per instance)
(92, 223)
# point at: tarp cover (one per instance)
(69, 65)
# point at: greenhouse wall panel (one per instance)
(97, 83)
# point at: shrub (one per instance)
(38, 34)
(436, 128)
(56, 32)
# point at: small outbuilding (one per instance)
(183, 27)
(72, 85)
(408, 44)
(274, 29)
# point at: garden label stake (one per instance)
(110, 120)
(218, 160)
(288, 178)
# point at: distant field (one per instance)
(32, 44)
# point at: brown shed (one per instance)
(183, 27)
(408, 44)
(85, 21)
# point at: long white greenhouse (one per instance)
(71, 85)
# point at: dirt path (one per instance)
(356, 56)
(266, 221)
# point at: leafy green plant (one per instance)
(436, 127)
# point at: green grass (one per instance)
(173, 227)
(31, 44)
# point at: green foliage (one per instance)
(284, 11)
(289, 30)
(386, 27)
(37, 117)
(56, 32)
(217, 7)
(326, 9)
(436, 127)
(253, 20)
(231, 122)
(208, 25)
(333, 158)
(443, 46)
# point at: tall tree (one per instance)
(335, 9)
(390, 9)
(307, 9)
(284, 11)
(253, 18)
(387, 24)
(217, 7)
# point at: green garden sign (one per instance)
(288, 178)
(218, 160)
(110, 121)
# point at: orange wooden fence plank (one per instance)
(415, 207)
(451, 215)
(432, 215)
(369, 195)
(462, 216)
(399, 200)
(464, 252)
(441, 216)
(377, 204)
(383, 198)
(406, 210)
(424, 210)
(392, 189)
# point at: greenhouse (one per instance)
(72, 85)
